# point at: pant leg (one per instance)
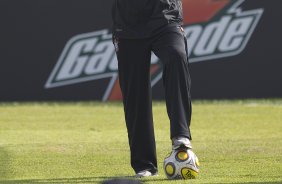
(134, 74)
(171, 47)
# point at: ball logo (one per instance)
(214, 29)
(188, 173)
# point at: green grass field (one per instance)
(236, 142)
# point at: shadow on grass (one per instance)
(63, 180)
(99, 180)
(4, 163)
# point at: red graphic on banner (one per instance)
(116, 92)
(196, 11)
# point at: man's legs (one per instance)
(134, 74)
(171, 48)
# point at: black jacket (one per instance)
(144, 18)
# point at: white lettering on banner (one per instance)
(74, 63)
(234, 36)
(91, 56)
(99, 61)
(223, 35)
(211, 36)
(193, 34)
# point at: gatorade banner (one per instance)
(62, 50)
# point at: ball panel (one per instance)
(170, 169)
(182, 156)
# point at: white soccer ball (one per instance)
(181, 164)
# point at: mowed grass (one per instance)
(236, 142)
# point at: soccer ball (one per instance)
(181, 164)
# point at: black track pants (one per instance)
(134, 74)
